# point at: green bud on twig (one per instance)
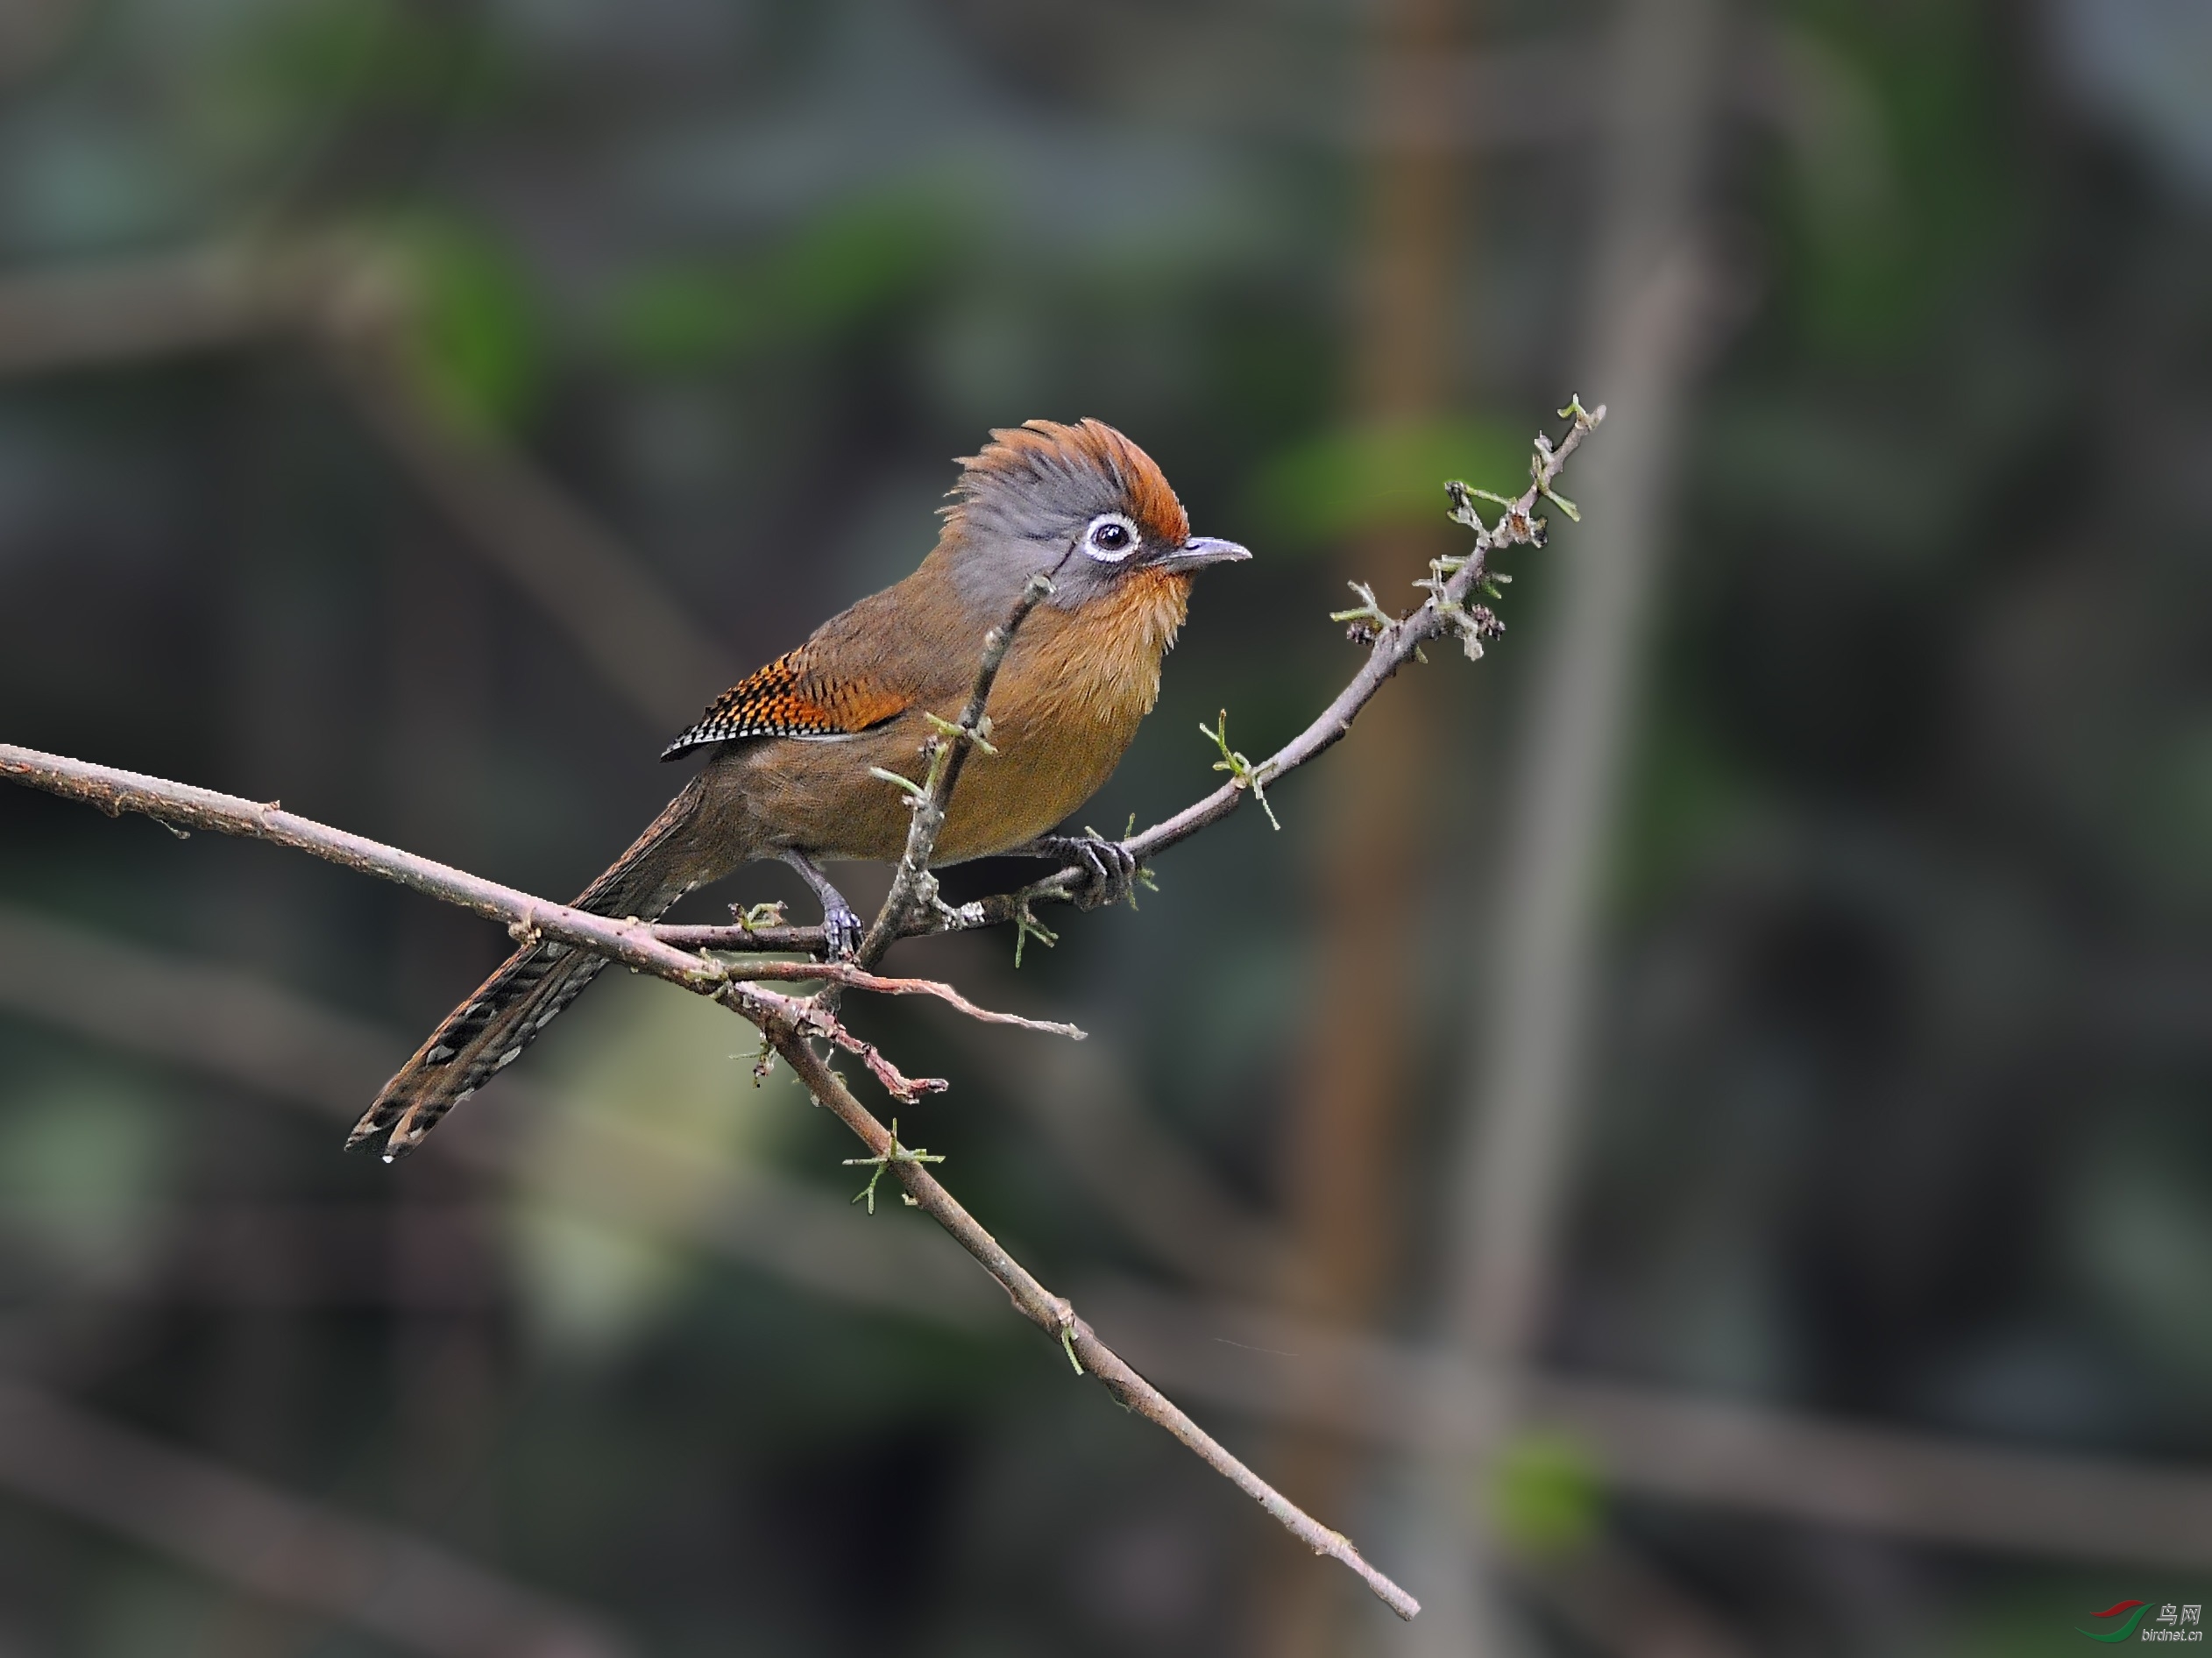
(1027, 926)
(980, 736)
(1247, 775)
(897, 1154)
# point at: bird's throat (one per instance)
(1074, 691)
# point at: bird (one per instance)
(792, 750)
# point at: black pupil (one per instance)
(1111, 537)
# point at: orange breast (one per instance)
(1075, 689)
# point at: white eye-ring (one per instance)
(1111, 538)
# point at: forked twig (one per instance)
(843, 972)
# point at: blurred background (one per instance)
(1688, 1141)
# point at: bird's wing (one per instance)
(798, 695)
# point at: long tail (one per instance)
(488, 1033)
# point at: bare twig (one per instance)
(632, 943)
(843, 972)
(912, 901)
(1057, 1317)
(183, 807)
(776, 936)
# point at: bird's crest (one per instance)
(1088, 459)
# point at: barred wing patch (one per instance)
(791, 699)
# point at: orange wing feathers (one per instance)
(792, 698)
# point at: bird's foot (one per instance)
(841, 928)
(1110, 867)
(841, 931)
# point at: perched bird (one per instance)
(790, 748)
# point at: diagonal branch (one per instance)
(911, 906)
(1448, 611)
(1056, 1316)
(787, 1022)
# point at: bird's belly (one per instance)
(1007, 799)
(1068, 700)
(821, 799)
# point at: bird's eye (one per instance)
(1111, 537)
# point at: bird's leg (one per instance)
(1112, 866)
(841, 926)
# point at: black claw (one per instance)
(1111, 866)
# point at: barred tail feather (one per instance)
(488, 1033)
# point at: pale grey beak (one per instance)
(1201, 550)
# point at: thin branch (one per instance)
(912, 904)
(843, 972)
(778, 938)
(1447, 612)
(185, 807)
(787, 1022)
(1444, 612)
(1057, 1317)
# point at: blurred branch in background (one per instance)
(1927, 1487)
(276, 1546)
(1646, 307)
(1140, 1175)
(80, 318)
(1649, 288)
(1344, 1144)
(1617, 1602)
(642, 645)
(32, 34)
(351, 304)
(1653, 285)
